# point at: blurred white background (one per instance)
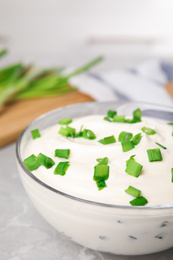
(67, 32)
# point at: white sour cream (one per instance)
(155, 178)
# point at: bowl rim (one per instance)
(126, 207)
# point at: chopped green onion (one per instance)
(80, 134)
(170, 123)
(120, 119)
(101, 172)
(47, 162)
(88, 134)
(31, 162)
(68, 131)
(101, 184)
(102, 161)
(108, 119)
(140, 201)
(65, 121)
(127, 146)
(125, 136)
(154, 155)
(161, 146)
(133, 168)
(62, 153)
(111, 113)
(148, 130)
(61, 168)
(172, 174)
(137, 114)
(133, 191)
(108, 140)
(137, 139)
(35, 133)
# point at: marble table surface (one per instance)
(25, 235)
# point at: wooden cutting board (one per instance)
(15, 117)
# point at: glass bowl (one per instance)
(116, 229)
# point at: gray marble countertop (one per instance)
(25, 235)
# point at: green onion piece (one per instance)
(125, 136)
(80, 134)
(68, 131)
(61, 168)
(133, 191)
(31, 162)
(111, 113)
(154, 155)
(101, 172)
(102, 161)
(88, 134)
(170, 123)
(127, 146)
(137, 114)
(62, 153)
(35, 133)
(148, 130)
(161, 146)
(65, 121)
(47, 162)
(120, 119)
(133, 168)
(130, 121)
(137, 139)
(172, 174)
(108, 140)
(101, 184)
(108, 119)
(140, 201)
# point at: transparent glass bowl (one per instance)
(115, 229)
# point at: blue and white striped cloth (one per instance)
(143, 83)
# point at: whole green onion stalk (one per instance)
(19, 81)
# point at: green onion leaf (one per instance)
(148, 130)
(3, 52)
(61, 168)
(137, 139)
(65, 121)
(161, 146)
(127, 146)
(101, 172)
(67, 131)
(111, 113)
(62, 153)
(31, 162)
(133, 168)
(108, 140)
(102, 161)
(172, 174)
(80, 134)
(120, 119)
(101, 184)
(154, 155)
(35, 133)
(108, 119)
(125, 136)
(137, 114)
(47, 162)
(88, 134)
(140, 201)
(133, 191)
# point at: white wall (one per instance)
(74, 28)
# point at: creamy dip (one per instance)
(154, 181)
